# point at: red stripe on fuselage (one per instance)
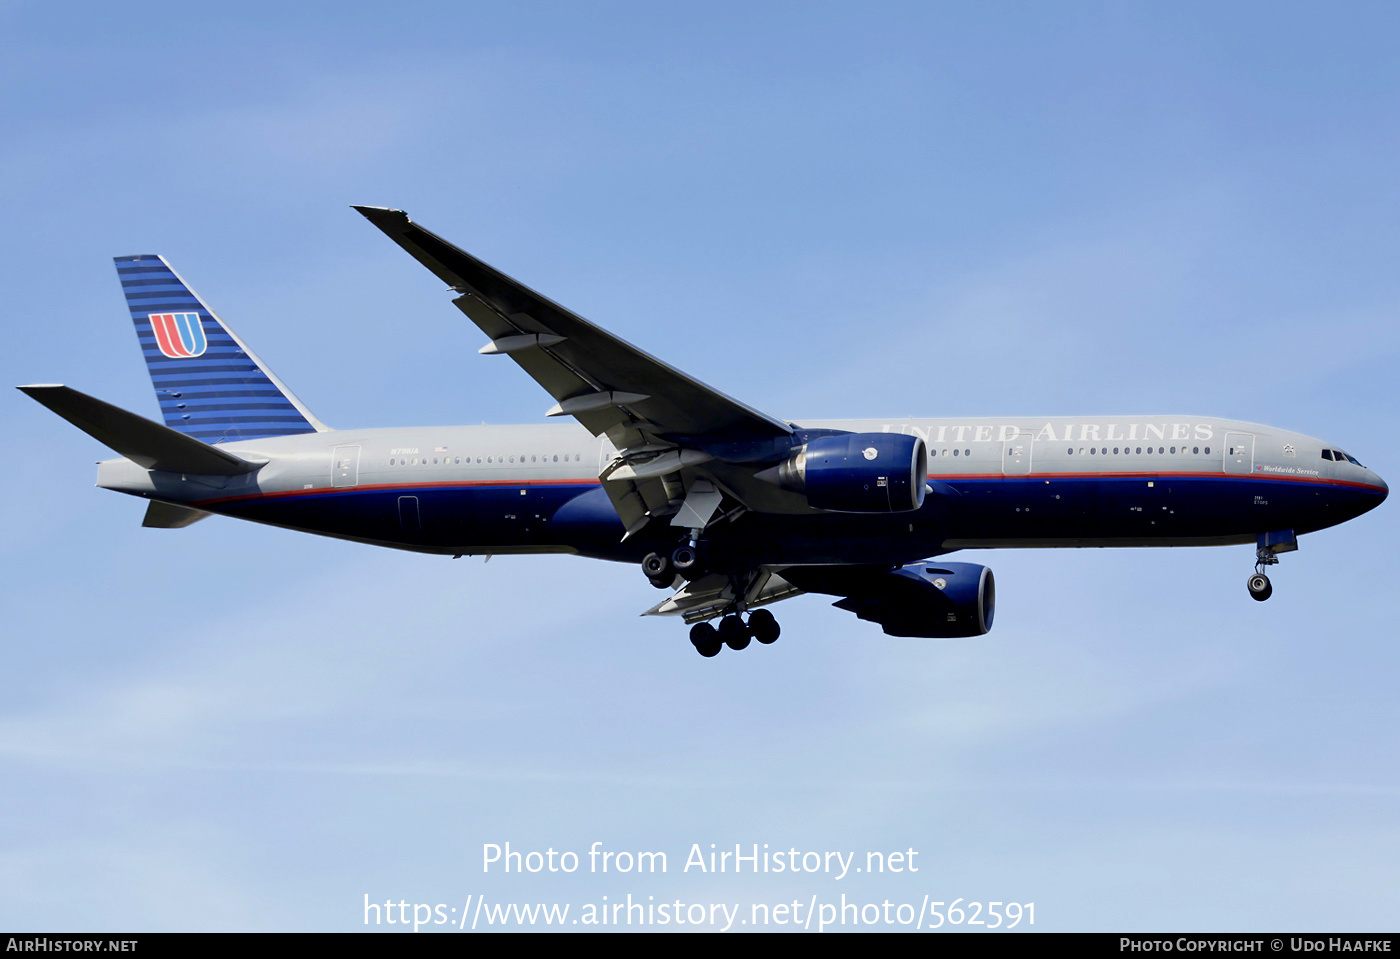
(376, 487)
(1252, 477)
(946, 478)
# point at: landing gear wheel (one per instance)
(764, 627)
(660, 583)
(1259, 587)
(705, 640)
(657, 567)
(684, 559)
(734, 633)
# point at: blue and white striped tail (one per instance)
(209, 384)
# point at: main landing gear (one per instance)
(734, 632)
(661, 570)
(688, 561)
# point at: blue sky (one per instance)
(822, 209)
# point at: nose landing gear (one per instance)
(1259, 586)
(1270, 545)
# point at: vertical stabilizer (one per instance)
(209, 384)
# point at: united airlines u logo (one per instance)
(179, 335)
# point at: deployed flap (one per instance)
(609, 381)
(713, 595)
(169, 516)
(146, 444)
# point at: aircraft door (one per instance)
(1239, 452)
(345, 466)
(409, 517)
(1016, 455)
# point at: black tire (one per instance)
(734, 633)
(660, 583)
(1259, 587)
(656, 567)
(701, 633)
(705, 640)
(684, 559)
(764, 627)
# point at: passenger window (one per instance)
(1173, 450)
(955, 452)
(1195, 449)
(1070, 451)
(1139, 449)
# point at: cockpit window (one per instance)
(1327, 454)
(1353, 460)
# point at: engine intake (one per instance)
(942, 601)
(929, 599)
(857, 472)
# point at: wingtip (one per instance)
(372, 212)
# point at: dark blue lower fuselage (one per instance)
(987, 511)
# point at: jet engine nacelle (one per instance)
(857, 472)
(932, 600)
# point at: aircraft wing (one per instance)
(666, 425)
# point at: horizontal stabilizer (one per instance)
(149, 445)
(169, 516)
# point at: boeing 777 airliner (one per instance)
(729, 508)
